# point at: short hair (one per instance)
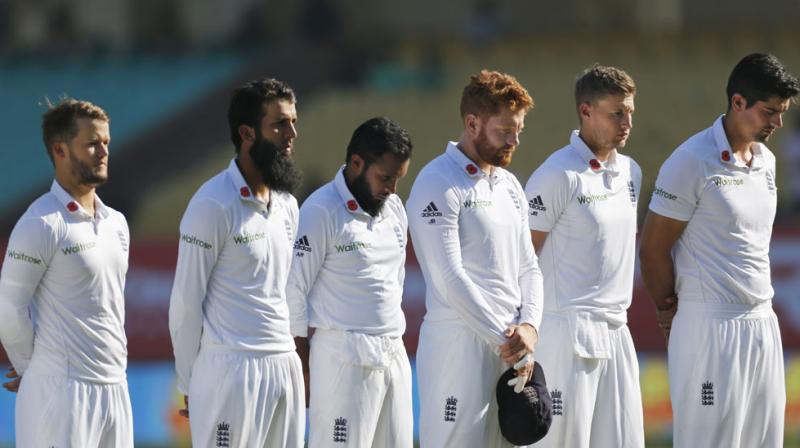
(599, 81)
(488, 91)
(247, 104)
(378, 136)
(60, 121)
(758, 76)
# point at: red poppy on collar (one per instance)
(245, 192)
(352, 205)
(726, 156)
(72, 206)
(472, 169)
(594, 164)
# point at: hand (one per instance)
(524, 368)
(521, 341)
(13, 385)
(185, 411)
(666, 314)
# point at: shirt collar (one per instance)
(725, 153)
(240, 185)
(73, 207)
(464, 163)
(609, 166)
(349, 201)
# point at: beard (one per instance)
(277, 168)
(492, 155)
(87, 174)
(363, 194)
(764, 135)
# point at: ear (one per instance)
(738, 102)
(59, 150)
(585, 111)
(472, 124)
(247, 133)
(356, 164)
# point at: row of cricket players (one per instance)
(513, 274)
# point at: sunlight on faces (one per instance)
(607, 122)
(760, 121)
(498, 136)
(373, 185)
(87, 153)
(278, 124)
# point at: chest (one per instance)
(92, 249)
(601, 201)
(366, 242)
(483, 210)
(255, 235)
(747, 199)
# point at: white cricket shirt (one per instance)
(723, 254)
(230, 281)
(348, 267)
(589, 209)
(470, 234)
(62, 301)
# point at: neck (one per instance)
(252, 176)
(740, 145)
(82, 194)
(467, 147)
(602, 153)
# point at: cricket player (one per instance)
(469, 225)
(347, 283)
(228, 316)
(705, 253)
(62, 301)
(582, 203)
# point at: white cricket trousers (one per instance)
(457, 374)
(240, 399)
(726, 376)
(53, 411)
(597, 403)
(360, 391)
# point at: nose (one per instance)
(513, 139)
(292, 132)
(778, 121)
(102, 150)
(627, 121)
(391, 188)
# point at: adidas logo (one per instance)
(536, 204)
(302, 244)
(431, 211)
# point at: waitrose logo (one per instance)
(355, 245)
(191, 239)
(725, 181)
(592, 198)
(80, 247)
(14, 255)
(477, 204)
(664, 194)
(246, 238)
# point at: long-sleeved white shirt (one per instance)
(470, 233)
(723, 254)
(230, 280)
(589, 209)
(62, 302)
(348, 267)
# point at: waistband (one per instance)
(341, 335)
(727, 310)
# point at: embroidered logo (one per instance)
(355, 245)
(592, 198)
(664, 194)
(191, 239)
(14, 255)
(289, 230)
(401, 236)
(771, 182)
(431, 211)
(469, 203)
(536, 205)
(80, 247)
(707, 394)
(223, 435)
(123, 240)
(632, 192)
(246, 238)
(302, 244)
(517, 203)
(340, 430)
(450, 409)
(558, 405)
(721, 181)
